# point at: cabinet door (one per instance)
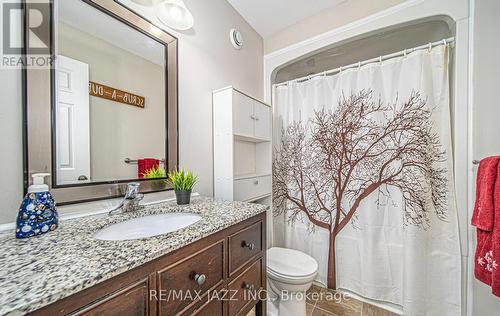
(243, 122)
(245, 289)
(214, 307)
(262, 115)
(211, 305)
(132, 300)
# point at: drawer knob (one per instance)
(256, 182)
(250, 287)
(250, 246)
(200, 278)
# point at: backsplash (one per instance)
(98, 207)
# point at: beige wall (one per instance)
(486, 130)
(11, 159)
(207, 61)
(117, 130)
(325, 21)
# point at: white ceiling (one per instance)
(270, 16)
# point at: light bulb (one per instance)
(176, 13)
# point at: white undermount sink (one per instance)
(147, 226)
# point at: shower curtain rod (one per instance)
(369, 61)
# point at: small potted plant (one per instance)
(183, 182)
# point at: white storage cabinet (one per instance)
(242, 134)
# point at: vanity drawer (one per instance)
(212, 308)
(132, 300)
(244, 246)
(245, 288)
(249, 188)
(181, 284)
(209, 306)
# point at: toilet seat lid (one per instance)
(290, 262)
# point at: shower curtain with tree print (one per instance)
(363, 181)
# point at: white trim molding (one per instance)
(352, 25)
(469, 275)
(403, 13)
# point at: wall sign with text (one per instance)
(105, 92)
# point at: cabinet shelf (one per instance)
(258, 198)
(242, 146)
(251, 139)
(250, 175)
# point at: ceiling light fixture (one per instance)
(174, 14)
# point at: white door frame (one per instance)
(76, 98)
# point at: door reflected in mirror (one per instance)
(110, 109)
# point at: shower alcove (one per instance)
(351, 51)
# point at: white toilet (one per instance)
(290, 274)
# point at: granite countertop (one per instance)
(37, 271)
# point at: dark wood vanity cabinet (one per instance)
(223, 274)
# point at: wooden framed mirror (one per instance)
(105, 112)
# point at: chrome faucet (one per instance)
(131, 200)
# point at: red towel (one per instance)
(144, 165)
(486, 218)
(485, 185)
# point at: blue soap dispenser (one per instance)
(37, 214)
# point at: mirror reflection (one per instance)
(110, 99)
